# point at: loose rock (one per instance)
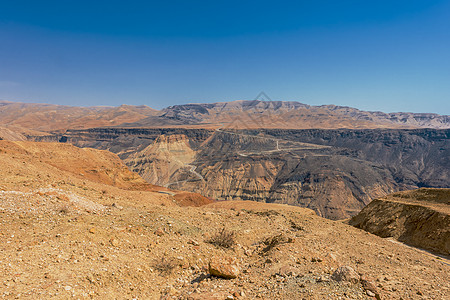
(370, 287)
(193, 242)
(159, 232)
(345, 273)
(225, 267)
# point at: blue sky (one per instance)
(369, 54)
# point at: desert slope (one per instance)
(420, 218)
(69, 234)
(50, 117)
(30, 166)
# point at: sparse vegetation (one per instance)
(295, 226)
(223, 238)
(264, 213)
(64, 209)
(273, 241)
(165, 265)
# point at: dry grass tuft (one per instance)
(273, 241)
(223, 239)
(165, 265)
(64, 209)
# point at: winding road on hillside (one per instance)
(191, 170)
(304, 146)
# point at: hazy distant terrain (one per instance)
(233, 115)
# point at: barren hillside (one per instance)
(49, 117)
(29, 166)
(242, 114)
(254, 114)
(420, 218)
(66, 234)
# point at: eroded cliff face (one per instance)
(305, 182)
(236, 166)
(419, 218)
(163, 161)
(334, 172)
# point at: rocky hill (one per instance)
(197, 148)
(29, 167)
(76, 224)
(242, 114)
(288, 115)
(420, 218)
(50, 117)
(334, 172)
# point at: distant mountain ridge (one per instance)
(295, 115)
(52, 117)
(240, 114)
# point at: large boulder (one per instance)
(225, 267)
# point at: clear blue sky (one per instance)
(370, 54)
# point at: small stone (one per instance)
(345, 273)
(172, 291)
(67, 288)
(419, 293)
(286, 271)
(117, 206)
(230, 297)
(331, 257)
(370, 286)
(90, 278)
(159, 232)
(193, 242)
(316, 259)
(225, 267)
(114, 242)
(92, 230)
(322, 279)
(370, 294)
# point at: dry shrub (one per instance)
(223, 238)
(295, 226)
(64, 209)
(273, 241)
(165, 265)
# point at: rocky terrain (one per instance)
(50, 117)
(199, 148)
(420, 218)
(243, 114)
(76, 224)
(32, 166)
(334, 172)
(287, 114)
